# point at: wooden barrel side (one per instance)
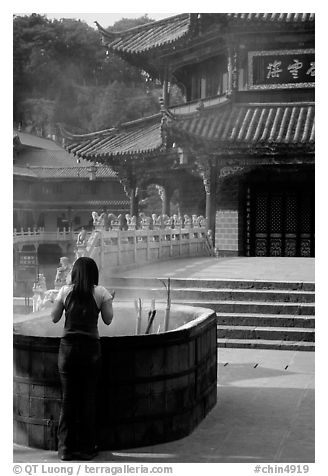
(154, 388)
(163, 386)
(36, 392)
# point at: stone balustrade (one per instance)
(119, 243)
(127, 241)
(144, 222)
(36, 235)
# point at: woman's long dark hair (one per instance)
(84, 276)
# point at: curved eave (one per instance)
(108, 157)
(142, 137)
(148, 37)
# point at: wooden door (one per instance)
(281, 221)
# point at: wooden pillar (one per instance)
(134, 201)
(165, 195)
(209, 179)
(166, 93)
(129, 181)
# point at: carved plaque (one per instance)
(281, 69)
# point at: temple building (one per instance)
(240, 148)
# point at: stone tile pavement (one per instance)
(274, 269)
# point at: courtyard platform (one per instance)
(273, 269)
(264, 413)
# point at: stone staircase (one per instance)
(251, 314)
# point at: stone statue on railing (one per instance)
(194, 219)
(116, 222)
(131, 221)
(81, 237)
(177, 221)
(42, 298)
(201, 221)
(158, 221)
(95, 218)
(167, 221)
(81, 243)
(63, 272)
(145, 221)
(187, 222)
(111, 219)
(99, 221)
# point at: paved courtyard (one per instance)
(274, 269)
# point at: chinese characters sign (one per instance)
(27, 259)
(281, 69)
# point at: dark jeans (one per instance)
(79, 369)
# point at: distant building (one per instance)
(52, 190)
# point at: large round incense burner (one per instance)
(154, 388)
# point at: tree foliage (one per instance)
(63, 74)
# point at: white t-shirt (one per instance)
(100, 294)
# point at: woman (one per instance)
(79, 358)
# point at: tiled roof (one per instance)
(251, 124)
(64, 172)
(44, 158)
(231, 124)
(153, 35)
(148, 36)
(272, 17)
(32, 140)
(142, 136)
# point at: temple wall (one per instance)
(227, 231)
(228, 219)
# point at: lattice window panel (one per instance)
(276, 214)
(306, 214)
(261, 205)
(291, 214)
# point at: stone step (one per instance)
(266, 333)
(267, 320)
(209, 284)
(265, 344)
(222, 294)
(251, 307)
